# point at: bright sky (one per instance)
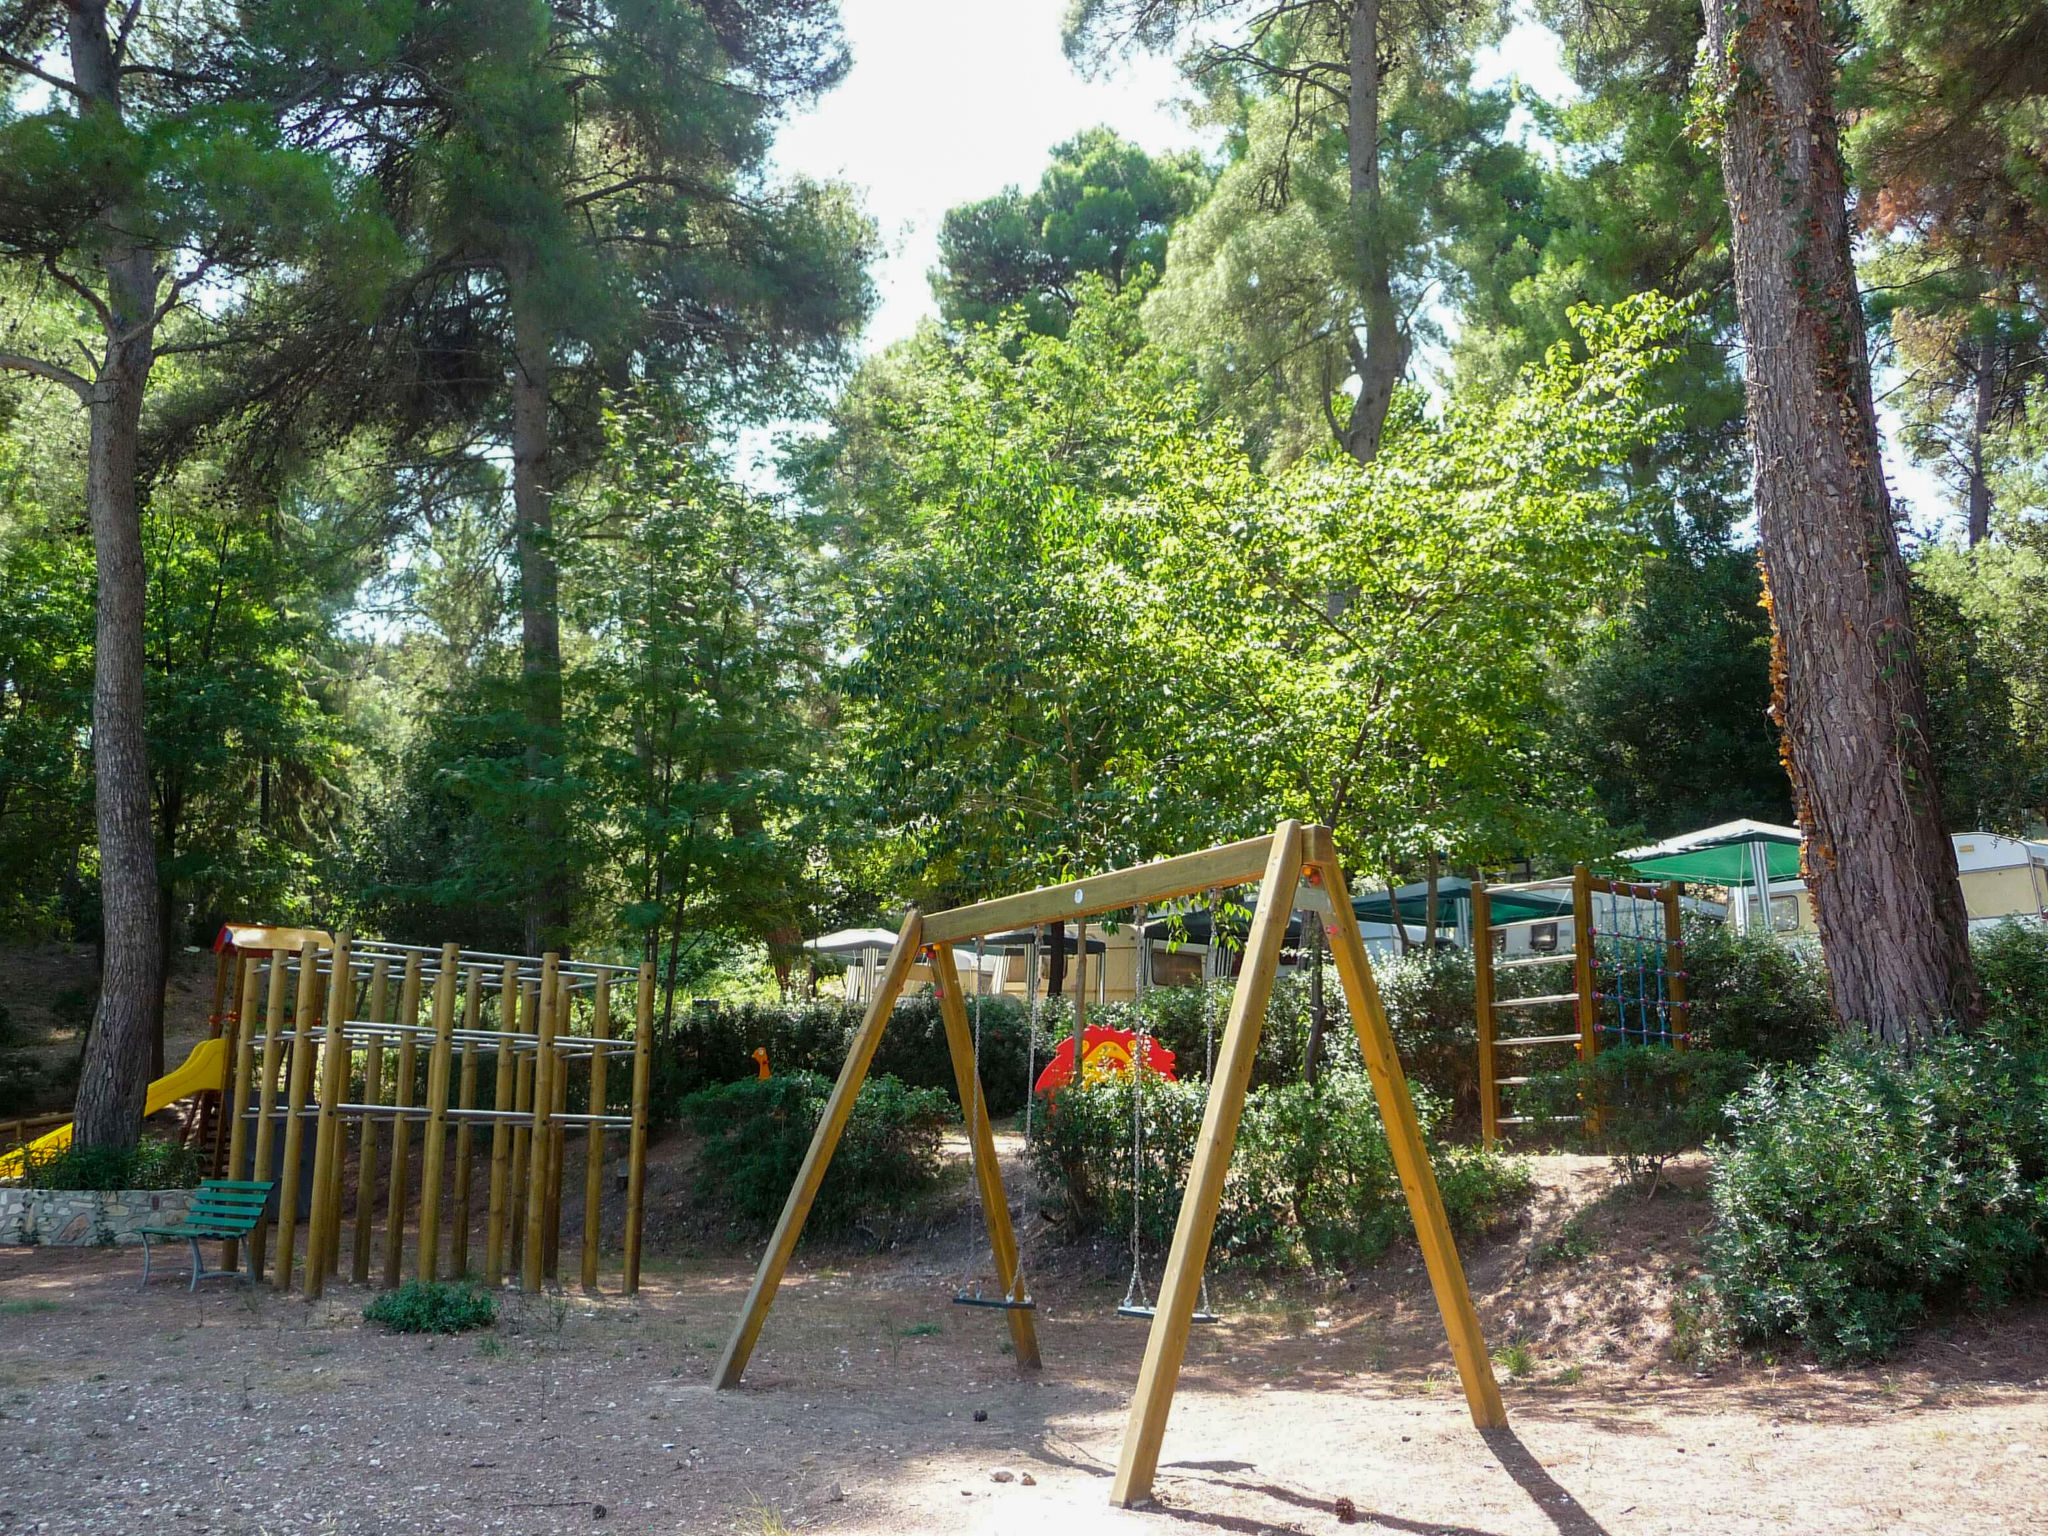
(948, 102)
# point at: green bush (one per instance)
(2012, 964)
(149, 1164)
(1311, 1182)
(433, 1306)
(1860, 1190)
(756, 1133)
(1756, 993)
(1649, 1104)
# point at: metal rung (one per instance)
(1147, 1313)
(1508, 1082)
(1516, 965)
(1535, 1002)
(1572, 1039)
(1537, 1119)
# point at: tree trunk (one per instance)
(1318, 1006)
(1432, 911)
(113, 1079)
(1382, 361)
(1849, 691)
(540, 630)
(1986, 405)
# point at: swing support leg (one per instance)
(1181, 1285)
(1404, 1140)
(838, 1109)
(988, 1175)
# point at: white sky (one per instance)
(948, 102)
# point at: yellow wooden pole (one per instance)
(1404, 1141)
(501, 1130)
(330, 1130)
(266, 1101)
(1582, 962)
(558, 1132)
(434, 1156)
(522, 1128)
(465, 1099)
(300, 1083)
(337, 1172)
(401, 1126)
(1181, 1285)
(593, 1143)
(988, 1174)
(1678, 1020)
(838, 1109)
(534, 1246)
(244, 1086)
(1482, 1005)
(636, 1143)
(373, 1093)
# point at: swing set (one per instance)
(1279, 863)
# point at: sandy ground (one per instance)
(245, 1411)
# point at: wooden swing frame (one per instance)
(1279, 863)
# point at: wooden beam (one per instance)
(243, 1085)
(401, 1124)
(1404, 1141)
(838, 1109)
(1482, 1007)
(534, 1246)
(298, 1086)
(593, 1148)
(501, 1130)
(1582, 962)
(465, 1141)
(330, 1133)
(373, 1093)
(1230, 864)
(636, 1145)
(988, 1173)
(266, 1100)
(434, 1155)
(1182, 1283)
(1678, 1017)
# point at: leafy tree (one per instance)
(1103, 206)
(1357, 153)
(148, 155)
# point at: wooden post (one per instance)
(434, 1156)
(401, 1126)
(522, 1128)
(501, 1130)
(1180, 1287)
(636, 1147)
(266, 1099)
(558, 1130)
(242, 1086)
(1679, 1016)
(1482, 1005)
(225, 1020)
(337, 1173)
(988, 1174)
(465, 1099)
(304, 1010)
(1582, 961)
(593, 1143)
(838, 1109)
(1080, 980)
(373, 1093)
(1404, 1141)
(534, 1247)
(330, 1130)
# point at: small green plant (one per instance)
(433, 1306)
(1516, 1358)
(146, 1165)
(920, 1330)
(1567, 1245)
(490, 1347)
(31, 1304)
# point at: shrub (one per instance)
(1649, 1104)
(1861, 1189)
(433, 1306)
(149, 1164)
(1311, 1181)
(757, 1131)
(1755, 993)
(2012, 964)
(1429, 1000)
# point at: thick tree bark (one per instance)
(114, 1077)
(540, 630)
(1382, 361)
(1985, 405)
(1850, 694)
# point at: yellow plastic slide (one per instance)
(205, 1069)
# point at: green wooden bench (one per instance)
(221, 1208)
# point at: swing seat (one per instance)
(1000, 1303)
(1147, 1313)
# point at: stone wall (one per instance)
(86, 1218)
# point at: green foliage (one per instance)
(433, 1306)
(1756, 994)
(1861, 1190)
(148, 1164)
(1311, 1182)
(756, 1132)
(2012, 966)
(1644, 1104)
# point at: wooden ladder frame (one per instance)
(1279, 863)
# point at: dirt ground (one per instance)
(240, 1410)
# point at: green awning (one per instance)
(1719, 855)
(1413, 903)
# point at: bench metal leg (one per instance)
(197, 1266)
(145, 1261)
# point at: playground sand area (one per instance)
(241, 1410)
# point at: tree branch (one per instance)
(42, 368)
(55, 82)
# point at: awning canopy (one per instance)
(1719, 855)
(852, 942)
(1412, 901)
